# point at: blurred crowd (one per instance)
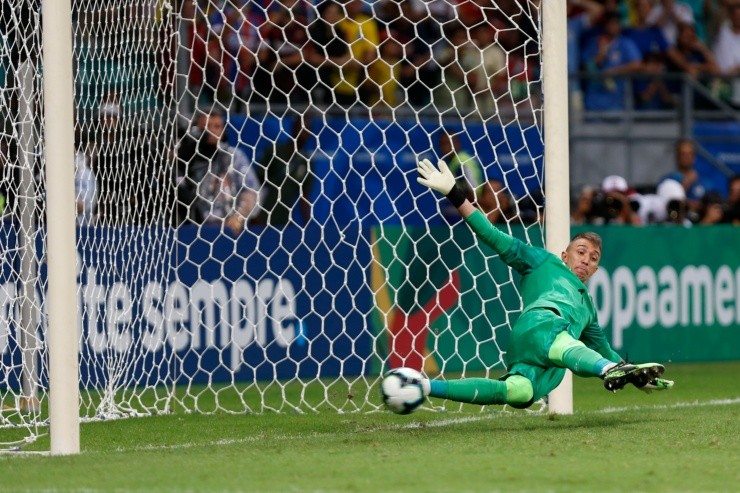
(681, 197)
(380, 54)
(657, 43)
(466, 53)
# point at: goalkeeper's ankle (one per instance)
(606, 369)
(426, 386)
(434, 388)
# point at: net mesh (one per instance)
(251, 235)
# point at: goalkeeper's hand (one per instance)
(440, 179)
(657, 384)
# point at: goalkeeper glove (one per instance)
(657, 384)
(440, 180)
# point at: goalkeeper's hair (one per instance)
(589, 236)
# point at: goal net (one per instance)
(250, 233)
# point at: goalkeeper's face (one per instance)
(582, 257)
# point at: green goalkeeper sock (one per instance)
(574, 355)
(585, 362)
(470, 390)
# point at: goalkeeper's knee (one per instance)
(519, 391)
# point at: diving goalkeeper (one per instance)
(557, 329)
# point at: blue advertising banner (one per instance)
(199, 305)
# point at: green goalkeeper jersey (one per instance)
(546, 283)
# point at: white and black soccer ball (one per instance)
(401, 390)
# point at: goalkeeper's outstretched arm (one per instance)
(521, 256)
(441, 179)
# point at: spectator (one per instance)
(701, 9)
(329, 51)
(717, 13)
(281, 75)
(693, 58)
(10, 184)
(520, 86)
(616, 204)
(185, 188)
(727, 49)
(440, 10)
(531, 208)
(210, 63)
(8, 179)
(454, 93)
(363, 38)
(687, 175)
(732, 213)
(470, 12)
(484, 64)
(124, 160)
(651, 91)
(420, 73)
(85, 195)
(653, 207)
(674, 208)
(691, 55)
(581, 210)
(712, 209)
(222, 181)
(196, 37)
(285, 177)
(387, 72)
(613, 55)
(582, 15)
(667, 15)
(396, 49)
(236, 31)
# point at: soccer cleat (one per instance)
(638, 375)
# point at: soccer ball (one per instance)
(401, 390)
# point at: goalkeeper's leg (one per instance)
(574, 355)
(516, 390)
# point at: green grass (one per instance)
(687, 439)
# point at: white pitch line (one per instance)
(677, 405)
(447, 422)
(226, 441)
(416, 425)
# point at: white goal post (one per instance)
(58, 155)
(249, 234)
(557, 157)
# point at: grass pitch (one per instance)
(686, 439)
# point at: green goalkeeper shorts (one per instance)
(529, 345)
